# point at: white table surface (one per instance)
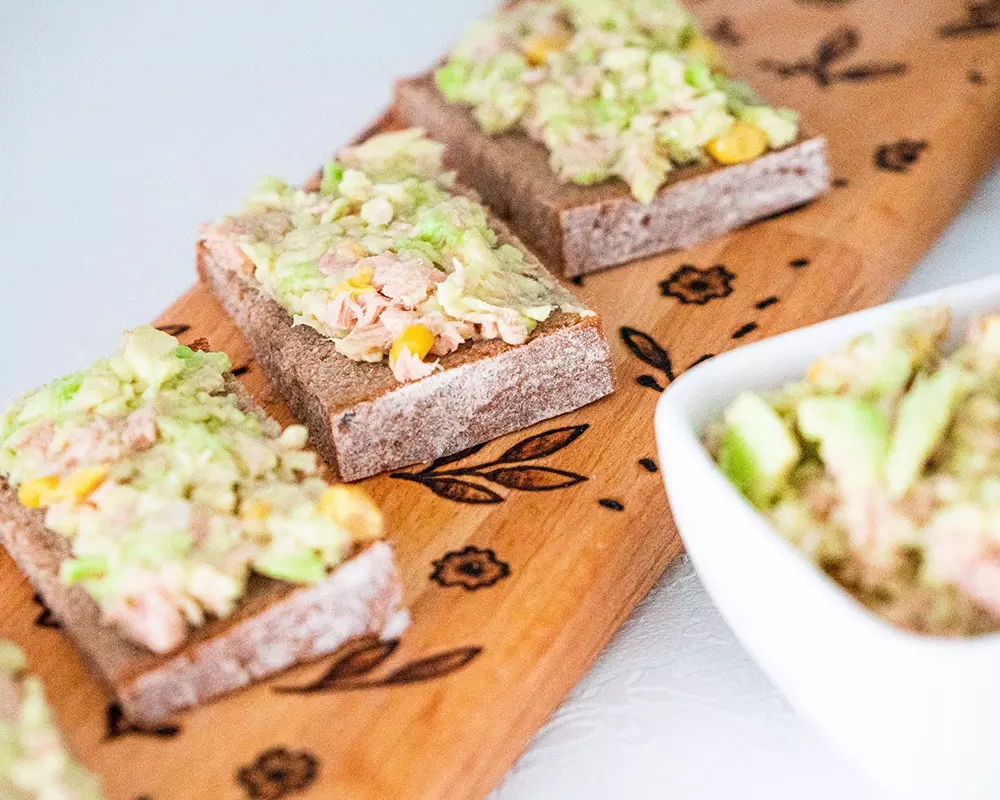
(124, 124)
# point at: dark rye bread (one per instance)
(583, 229)
(364, 422)
(276, 625)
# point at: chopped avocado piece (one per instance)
(780, 124)
(924, 414)
(758, 451)
(294, 566)
(852, 434)
(333, 172)
(880, 365)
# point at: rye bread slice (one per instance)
(583, 229)
(277, 625)
(364, 422)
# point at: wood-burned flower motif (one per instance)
(899, 156)
(470, 568)
(278, 773)
(696, 286)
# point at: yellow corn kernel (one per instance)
(362, 279)
(349, 288)
(351, 509)
(538, 48)
(37, 492)
(416, 338)
(257, 511)
(710, 52)
(814, 370)
(79, 484)
(743, 142)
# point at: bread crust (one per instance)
(276, 625)
(364, 422)
(584, 229)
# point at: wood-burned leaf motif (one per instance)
(534, 479)
(435, 666)
(174, 330)
(645, 348)
(840, 43)
(45, 618)
(542, 444)
(981, 17)
(455, 484)
(116, 726)
(468, 451)
(461, 491)
(361, 658)
(867, 71)
(423, 669)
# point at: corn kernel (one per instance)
(352, 510)
(362, 279)
(710, 52)
(537, 49)
(743, 142)
(79, 484)
(417, 339)
(815, 370)
(257, 511)
(37, 492)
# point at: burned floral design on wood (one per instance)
(278, 773)
(470, 568)
(826, 66)
(353, 663)
(899, 156)
(696, 286)
(469, 483)
(649, 351)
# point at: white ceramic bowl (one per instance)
(920, 716)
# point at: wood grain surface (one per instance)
(521, 559)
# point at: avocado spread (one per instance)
(883, 466)
(34, 762)
(170, 491)
(613, 88)
(385, 260)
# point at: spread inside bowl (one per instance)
(883, 466)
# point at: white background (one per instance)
(124, 124)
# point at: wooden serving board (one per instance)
(521, 559)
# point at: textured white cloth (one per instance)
(127, 123)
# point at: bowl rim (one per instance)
(679, 423)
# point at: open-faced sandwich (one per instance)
(399, 319)
(608, 130)
(34, 762)
(184, 541)
(883, 466)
